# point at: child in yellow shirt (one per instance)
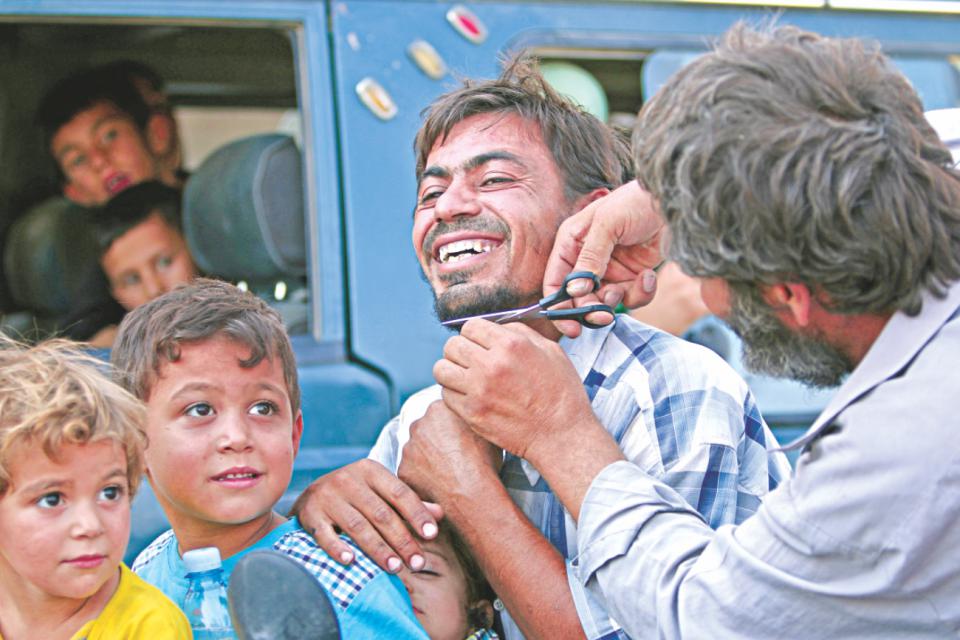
(71, 458)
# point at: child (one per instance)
(450, 596)
(216, 370)
(71, 446)
(104, 137)
(142, 249)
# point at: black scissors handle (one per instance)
(576, 313)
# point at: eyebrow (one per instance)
(436, 171)
(191, 386)
(97, 124)
(43, 486)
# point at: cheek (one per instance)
(421, 225)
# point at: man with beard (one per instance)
(800, 181)
(500, 164)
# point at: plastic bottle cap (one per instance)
(205, 559)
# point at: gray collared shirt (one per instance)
(862, 542)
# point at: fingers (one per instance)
(462, 351)
(566, 248)
(373, 507)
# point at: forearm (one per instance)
(524, 569)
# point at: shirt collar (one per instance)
(901, 340)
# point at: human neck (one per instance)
(230, 539)
(26, 612)
(854, 335)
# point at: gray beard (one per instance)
(772, 349)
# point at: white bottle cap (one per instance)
(204, 559)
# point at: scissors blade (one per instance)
(499, 317)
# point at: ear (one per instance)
(586, 199)
(791, 300)
(297, 432)
(160, 133)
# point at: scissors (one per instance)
(543, 310)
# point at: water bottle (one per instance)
(206, 601)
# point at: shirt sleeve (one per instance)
(386, 447)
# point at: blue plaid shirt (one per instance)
(369, 603)
(678, 411)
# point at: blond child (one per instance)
(71, 447)
(450, 596)
(216, 370)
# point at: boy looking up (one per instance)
(71, 458)
(104, 137)
(216, 370)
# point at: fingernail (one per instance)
(416, 562)
(578, 287)
(429, 530)
(649, 281)
(346, 557)
(612, 298)
(393, 565)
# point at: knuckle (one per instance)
(383, 515)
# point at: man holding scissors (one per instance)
(802, 184)
(501, 164)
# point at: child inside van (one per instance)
(450, 596)
(104, 137)
(71, 447)
(216, 370)
(142, 250)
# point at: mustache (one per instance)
(486, 225)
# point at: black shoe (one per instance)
(274, 598)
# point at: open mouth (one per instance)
(237, 476)
(460, 250)
(117, 183)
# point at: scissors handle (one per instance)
(561, 295)
(579, 314)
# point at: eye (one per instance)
(75, 163)
(495, 180)
(129, 280)
(429, 195)
(164, 261)
(199, 410)
(108, 135)
(112, 493)
(427, 572)
(265, 408)
(50, 500)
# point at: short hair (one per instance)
(783, 156)
(131, 207)
(584, 148)
(84, 90)
(145, 78)
(478, 587)
(53, 394)
(151, 334)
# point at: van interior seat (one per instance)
(243, 218)
(51, 264)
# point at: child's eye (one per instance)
(163, 262)
(199, 410)
(108, 135)
(427, 572)
(76, 162)
(50, 500)
(112, 493)
(264, 408)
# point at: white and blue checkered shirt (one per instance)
(677, 410)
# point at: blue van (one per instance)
(316, 198)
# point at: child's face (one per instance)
(102, 152)
(222, 438)
(439, 592)
(146, 262)
(64, 524)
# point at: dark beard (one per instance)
(770, 348)
(463, 301)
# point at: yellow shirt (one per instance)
(137, 611)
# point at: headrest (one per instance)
(243, 211)
(52, 261)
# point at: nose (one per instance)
(97, 156)
(459, 199)
(152, 285)
(86, 520)
(234, 434)
(405, 576)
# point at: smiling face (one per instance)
(222, 438)
(488, 208)
(102, 152)
(64, 523)
(147, 261)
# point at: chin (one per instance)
(461, 301)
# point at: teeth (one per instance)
(464, 249)
(238, 476)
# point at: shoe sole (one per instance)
(272, 597)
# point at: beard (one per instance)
(771, 348)
(463, 300)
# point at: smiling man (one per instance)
(500, 165)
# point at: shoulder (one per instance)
(154, 551)
(342, 582)
(139, 611)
